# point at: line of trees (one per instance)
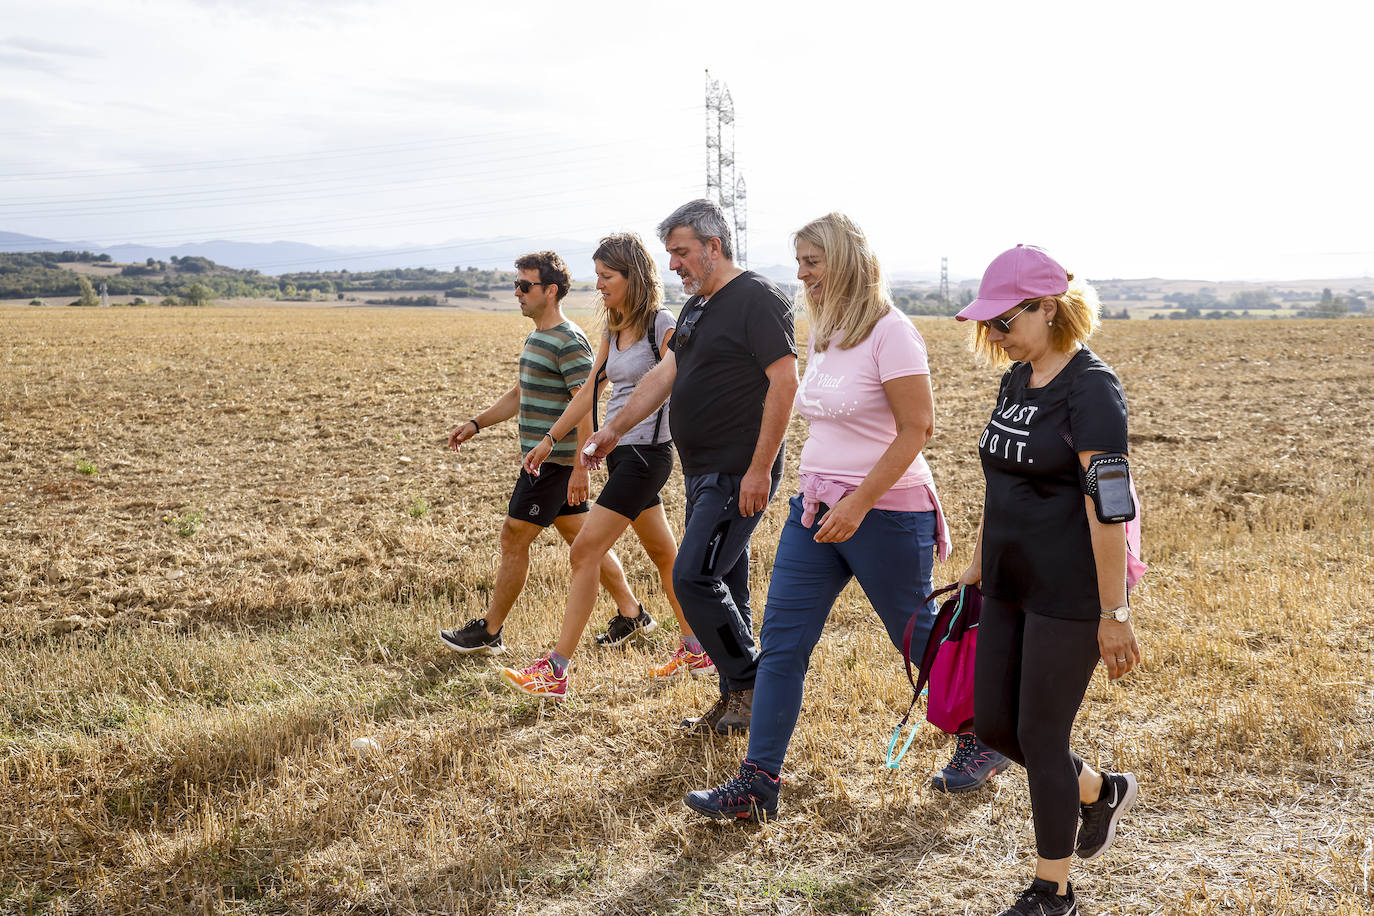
(38, 275)
(1332, 306)
(1244, 300)
(1204, 304)
(930, 303)
(459, 282)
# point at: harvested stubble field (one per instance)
(227, 538)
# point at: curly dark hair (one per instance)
(552, 269)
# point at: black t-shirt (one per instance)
(720, 386)
(1037, 548)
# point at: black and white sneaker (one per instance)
(473, 639)
(1040, 899)
(1098, 830)
(622, 628)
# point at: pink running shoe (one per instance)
(538, 680)
(695, 664)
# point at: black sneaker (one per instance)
(1040, 899)
(473, 639)
(622, 628)
(752, 795)
(972, 765)
(1098, 829)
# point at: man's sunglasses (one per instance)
(683, 335)
(1004, 324)
(524, 285)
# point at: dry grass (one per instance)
(233, 586)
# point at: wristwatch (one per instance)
(1119, 614)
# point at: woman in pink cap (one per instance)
(867, 509)
(1051, 555)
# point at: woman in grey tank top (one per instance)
(637, 332)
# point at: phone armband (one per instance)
(1107, 481)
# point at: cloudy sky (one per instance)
(1215, 140)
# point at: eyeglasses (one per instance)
(683, 335)
(1004, 324)
(524, 285)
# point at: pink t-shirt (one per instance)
(842, 397)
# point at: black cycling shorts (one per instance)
(540, 500)
(637, 473)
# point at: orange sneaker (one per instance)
(539, 680)
(694, 663)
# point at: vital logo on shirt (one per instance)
(1008, 432)
(817, 392)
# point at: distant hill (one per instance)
(297, 257)
(14, 241)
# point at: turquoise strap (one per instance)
(893, 763)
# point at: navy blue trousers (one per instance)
(892, 554)
(711, 575)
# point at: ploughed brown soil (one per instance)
(228, 536)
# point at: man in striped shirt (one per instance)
(554, 364)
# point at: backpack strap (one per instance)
(653, 336)
(597, 383)
(658, 358)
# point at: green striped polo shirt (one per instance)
(553, 365)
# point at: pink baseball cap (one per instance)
(1015, 275)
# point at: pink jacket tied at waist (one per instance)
(816, 490)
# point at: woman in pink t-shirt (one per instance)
(867, 509)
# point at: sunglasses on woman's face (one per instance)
(524, 285)
(1004, 324)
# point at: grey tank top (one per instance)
(624, 369)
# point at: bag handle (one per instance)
(893, 763)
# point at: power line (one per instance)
(641, 219)
(210, 197)
(446, 214)
(252, 161)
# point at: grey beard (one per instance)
(690, 287)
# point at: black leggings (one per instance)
(1030, 677)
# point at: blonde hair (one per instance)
(625, 253)
(1078, 313)
(853, 296)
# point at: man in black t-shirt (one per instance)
(732, 374)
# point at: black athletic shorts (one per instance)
(540, 500)
(637, 473)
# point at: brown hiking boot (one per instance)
(739, 707)
(707, 721)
